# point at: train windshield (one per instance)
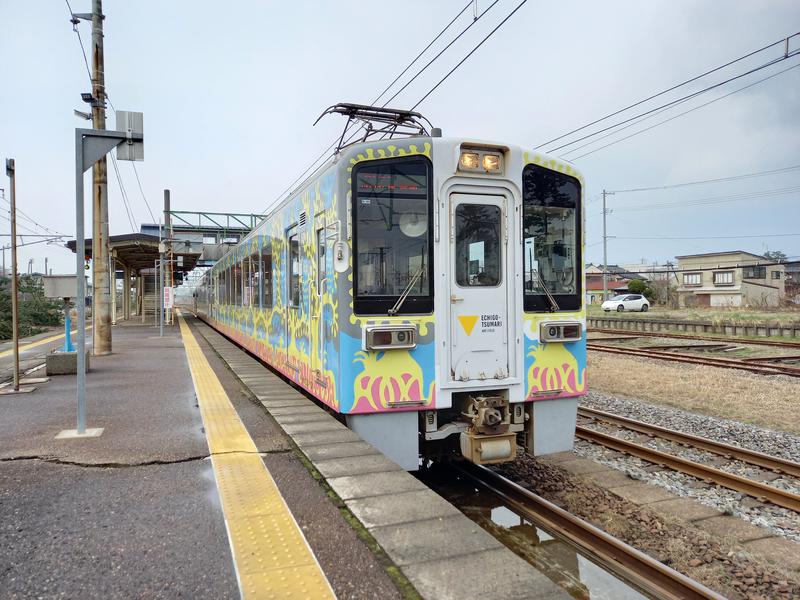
(551, 231)
(392, 241)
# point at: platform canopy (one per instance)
(139, 251)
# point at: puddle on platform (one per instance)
(559, 561)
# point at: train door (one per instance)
(293, 291)
(317, 318)
(479, 319)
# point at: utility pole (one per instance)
(101, 286)
(605, 248)
(12, 175)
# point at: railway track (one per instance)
(628, 563)
(680, 336)
(761, 491)
(726, 363)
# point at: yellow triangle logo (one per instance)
(468, 322)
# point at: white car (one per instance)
(626, 302)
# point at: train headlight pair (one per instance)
(478, 161)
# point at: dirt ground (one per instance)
(767, 401)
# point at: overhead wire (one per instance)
(711, 200)
(470, 53)
(677, 101)
(669, 119)
(313, 166)
(670, 89)
(704, 181)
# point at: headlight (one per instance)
(491, 163)
(469, 161)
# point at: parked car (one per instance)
(626, 302)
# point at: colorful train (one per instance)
(429, 290)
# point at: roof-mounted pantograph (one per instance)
(376, 120)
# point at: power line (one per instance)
(124, 194)
(677, 101)
(424, 50)
(675, 87)
(141, 190)
(442, 51)
(74, 22)
(312, 168)
(709, 237)
(667, 120)
(712, 200)
(470, 53)
(717, 180)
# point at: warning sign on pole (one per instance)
(167, 297)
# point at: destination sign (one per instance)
(397, 184)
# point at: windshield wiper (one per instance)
(395, 309)
(553, 304)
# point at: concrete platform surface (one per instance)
(136, 512)
(438, 549)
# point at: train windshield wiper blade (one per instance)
(396, 308)
(553, 304)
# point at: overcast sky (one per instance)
(230, 92)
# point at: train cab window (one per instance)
(294, 271)
(551, 240)
(478, 228)
(393, 239)
(266, 275)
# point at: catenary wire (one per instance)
(424, 50)
(711, 200)
(622, 139)
(470, 53)
(677, 101)
(703, 181)
(666, 91)
(312, 167)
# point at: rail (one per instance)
(726, 363)
(681, 336)
(758, 459)
(756, 489)
(632, 565)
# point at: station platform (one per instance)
(214, 478)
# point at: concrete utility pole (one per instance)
(101, 286)
(12, 175)
(605, 251)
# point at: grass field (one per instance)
(740, 316)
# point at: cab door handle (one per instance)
(454, 299)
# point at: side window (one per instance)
(266, 274)
(294, 271)
(237, 284)
(321, 263)
(255, 279)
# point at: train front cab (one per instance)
(508, 310)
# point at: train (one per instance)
(428, 290)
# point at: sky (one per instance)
(230, 92)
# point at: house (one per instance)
(617, 281)
(792, 282)
(734, 278)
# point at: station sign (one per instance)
(168, 297)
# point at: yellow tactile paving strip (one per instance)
(272, 558)
(46, 340)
